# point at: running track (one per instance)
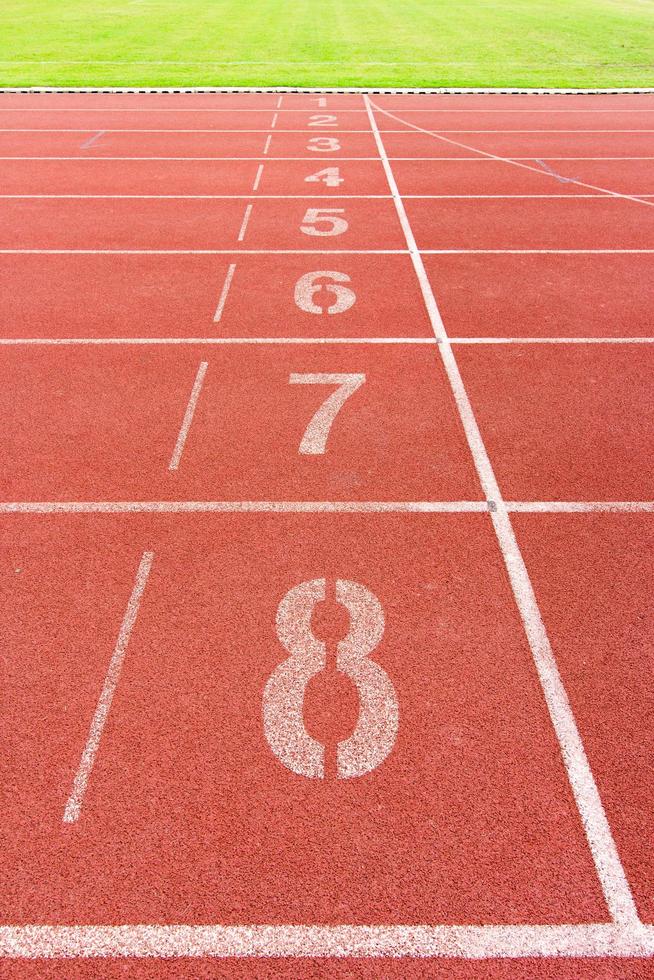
(327, 533)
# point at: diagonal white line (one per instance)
(615, 886)
(76, 798)
(514, 162)
(188, 416)
(244, 225)
(224, 292)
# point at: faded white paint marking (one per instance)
(80, 783)
(90, 141)
(188, 416)
(266, 145)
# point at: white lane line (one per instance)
(85, 145)
(301, 197)
(188, 416)
(215, 251)
(241, 197)
(324, 251)
(257, 179)
(274, 123)
(224, 292)
(281, 98)
(338, 941)
(266, 145)
(610, 872)
(467, 159)
(99, 341)
(513, 161)
(537, 251)
(323, 506)
(76, 798)
(343, 132)
(246, 218)
(239, 109)
(245, 506)
(552, 340)
(580, 506)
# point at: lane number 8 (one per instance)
(283, 698)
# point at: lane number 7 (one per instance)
(314, 440)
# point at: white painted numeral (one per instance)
(324, 216)
(323, 144)
(330, 176)
(314, 440)
(323, 121)
(308, 285)
(283, 698)
(322, 102)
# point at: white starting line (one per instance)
(462, 942)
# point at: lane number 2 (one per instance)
(283, 698)
(314, 440)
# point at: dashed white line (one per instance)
(244, 225)
(257, 179)
(266, 145)
(76, 798)
(224, 292)
(188, 416)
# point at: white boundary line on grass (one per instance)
(608, 866)
(343, 90)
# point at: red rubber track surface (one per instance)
(184, 279)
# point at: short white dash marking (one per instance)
(225, 290)
(74, 804)
(279, 101)
(246, 218)
(274, 120)
(266, 145)
(188, 416)
(257, 179)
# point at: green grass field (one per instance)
(530, 43)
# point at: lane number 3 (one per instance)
(283, 698)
